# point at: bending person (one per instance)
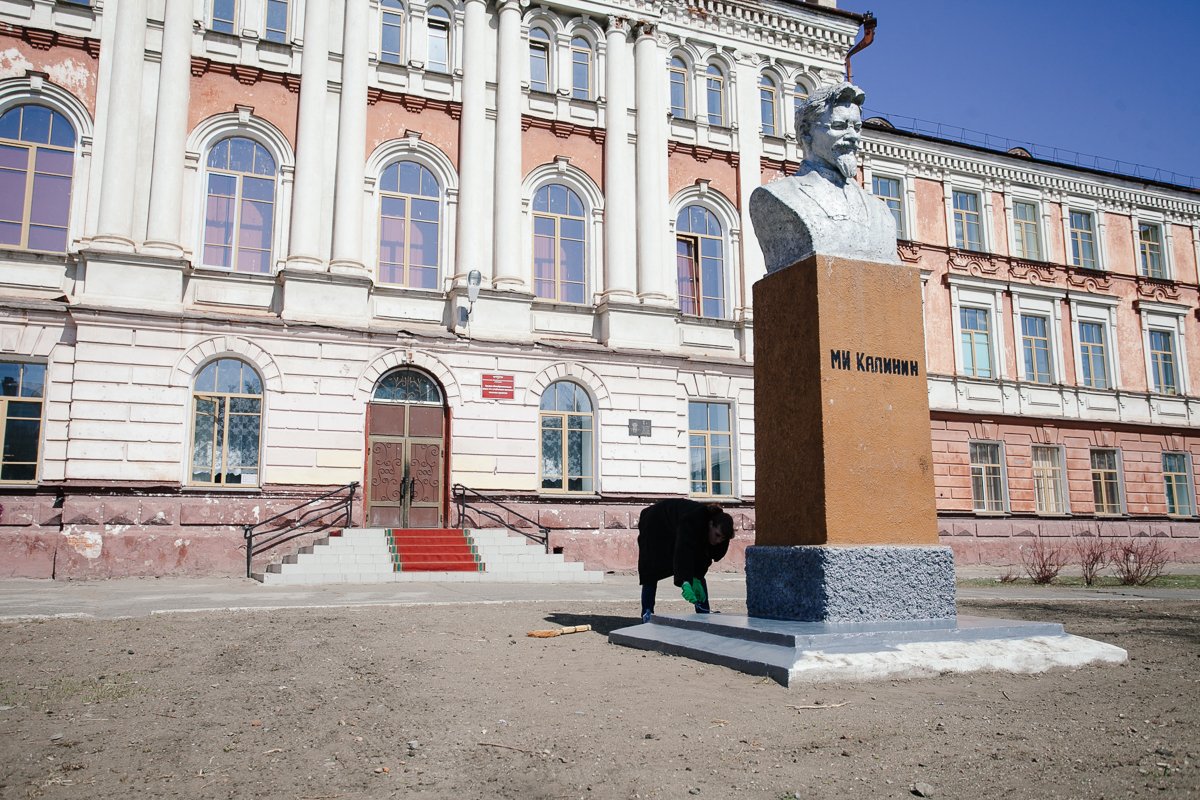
(680, 538)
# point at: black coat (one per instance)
(673, 540)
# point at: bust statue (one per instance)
(822, 209)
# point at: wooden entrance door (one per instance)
(406, 462)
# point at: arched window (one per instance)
(715, 83)
(391, 33)
(406, 385)
(559, 245)
(801, 95)
(679, 88)
(277, 21)
(581, 68)
(37, 160)
(438, 23)
(539, 60)
(700, 260)
(239, 211)
(226, 424)
(566, 434)
(409, 226)
(768, 101)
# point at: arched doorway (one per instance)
(406, 452)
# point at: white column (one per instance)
(620, 215)
(114, 229)
(474, 152)
(304, 246)
(347, 253)
(170, 133)
(749, 171)
(650, 175)
(508, 269)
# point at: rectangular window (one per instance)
(1025, 230)
(1177, 481)
(976, 331)
(1163, 361)
(987, 476)
(710, 449)
(1049, 482)
(22, 387)
(888, 190)
(968, 233)
(716, 97)
(539, 66)
(679, 77)
(581, 69)
(1035, 344)
(1106, 481)
(1093, 355)
(439, 41)
(391, 33)
(277, 21)
(224, 16)
(1150, 249)
(1083, 240)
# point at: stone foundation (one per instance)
(850, 584)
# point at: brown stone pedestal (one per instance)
(841, 406)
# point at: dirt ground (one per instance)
(456, 702)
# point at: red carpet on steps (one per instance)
(432, 550)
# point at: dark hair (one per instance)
(723, 521)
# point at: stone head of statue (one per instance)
(829, 125)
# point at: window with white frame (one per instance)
(239, 209)
(276, 27)
(391, 32)
(410, 202)
(566, 427)
(437, 24)
(1178, 484)
(581, 68)
(22, 389)
(226, 424)
(768, 104)
(1049, 480)
(987, 477)
(889, 191)
(223, 16)
(710, 449)
(976, 341)
(1035, 348)
(1106, 481)
(539, 60)
(1162, 326)
(1027, 240)
(801, 95)
(1095, 343)
(968, 221)
(1036, 316)
(714, 82)
(559, 244)
(700, 262)
(1150, 250)
(977, 312)
(37, 165)
(1082, 229)
(680, 94)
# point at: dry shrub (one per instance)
(1094, 554)
(1139, 561)
(1010, 576)
(1042, 560)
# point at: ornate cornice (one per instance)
(41, 39)
(244, 74)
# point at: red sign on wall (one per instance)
(497, 387)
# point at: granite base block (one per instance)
(812, 652)
(850, 584)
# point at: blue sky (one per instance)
(1108, 78)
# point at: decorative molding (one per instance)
(563, 130)
(981, 265)
(1089, 280)
(245, 75)
(703, 154)
(1157, 290)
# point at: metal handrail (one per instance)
(460, 492)
(288, 531)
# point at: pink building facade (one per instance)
(237, 238)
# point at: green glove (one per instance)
(693, 591)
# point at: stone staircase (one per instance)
(382, 555)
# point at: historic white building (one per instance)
(237, 240)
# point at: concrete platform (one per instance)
(811, 652)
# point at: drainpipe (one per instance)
(868, 23)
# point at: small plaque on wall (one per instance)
(639, 427)
(497, 387)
